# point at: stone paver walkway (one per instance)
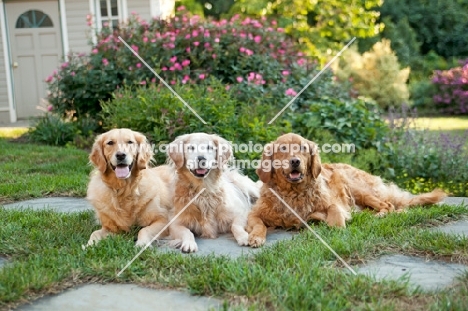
(429, 275)
(64, 205)
(121, 297)
(458, 228)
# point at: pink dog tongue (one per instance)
(295, 175)
(122, 171)
(200, 171)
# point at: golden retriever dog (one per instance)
(318, 192)
(124, 190)
(199, 160)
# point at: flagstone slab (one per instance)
(59, 204)
(455, 201)
(458, 228)
(3, 261)
(121, 297)
(226, 245)
(428, 275)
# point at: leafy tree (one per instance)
(440, 25)
(323, 26)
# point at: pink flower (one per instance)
(242, 50)
(206, 34)
(105, 62)
(185, 63)
(135, 48)
(164, 68)
(290, 92)
(130, 68)
(187, 36)
(194, 33)
(153, 80)
(257, 39)
(227, 87)
(72, 73)
(301, 61)
(153, 40)
(94, 51)
(50, 107)
(138, 65)
(173, 59)
(145, 39)
(239, 79)
(185, 79)
(202, 76)
(248, 52)
(49, 79)
(171, 68)
(143, 82)
(217, 40)
(214, 56)
(206, 45)
(181, 8)
(177, 66)
(188, 50)
(173, 82)
(285, 72)
(196, 43)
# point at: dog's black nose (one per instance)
(120, 156)
(201, 158)
(295, 162)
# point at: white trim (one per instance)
(63, 25)
(92, 11)
(154, 8)
(4, 109)
(124, 14)
(6, 55)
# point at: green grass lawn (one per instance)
(30, 170)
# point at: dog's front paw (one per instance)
(188, 246)
(243, 239)
(143, 243)
(256, 241)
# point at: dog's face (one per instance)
(199, 153)
(291, 158)
(121, 151)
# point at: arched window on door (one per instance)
(34, 19)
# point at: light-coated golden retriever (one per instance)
(227, 197)
(318, 192)
(124, 190)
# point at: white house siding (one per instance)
(78, 31)
(140, 7)
(4, 113)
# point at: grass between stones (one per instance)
(45, 256)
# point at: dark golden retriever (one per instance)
(318, 192)
(124, 190)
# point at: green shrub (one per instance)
(51, 129)
(376, 74)
(156, 112)
(358, 122)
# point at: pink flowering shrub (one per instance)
(253, 57)
(452, 89)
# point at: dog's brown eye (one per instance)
(209, 147)
(110, 142)
(283, 148)
(304, 148)
(190, 148)
(130, 142)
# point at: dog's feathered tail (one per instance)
(402, 199)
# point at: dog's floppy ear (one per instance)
(145, 152)
(265, 170)
(96, 157)
(315, 164)
(175, 151)
(223, 150)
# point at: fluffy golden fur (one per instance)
(226, 200)
(124, 190)
(319, 192)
